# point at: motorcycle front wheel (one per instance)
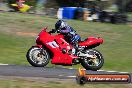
(37, 57)
(93, 63)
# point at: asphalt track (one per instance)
(46, 72)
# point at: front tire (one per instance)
(89, 65)
(38, 57)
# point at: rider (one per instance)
(69, 33)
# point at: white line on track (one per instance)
(71, 76)
(71, 68)
(61, 75)
(68, 76)
(103, 70)
(113, 71)
(3, 64)
(82, 69)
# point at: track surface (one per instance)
(29, 71)
(45, 72)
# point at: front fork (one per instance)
(39, 46)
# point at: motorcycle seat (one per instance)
(82, 40)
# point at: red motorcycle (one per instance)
(60, 52)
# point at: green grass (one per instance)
(13, 47)
(20, 83)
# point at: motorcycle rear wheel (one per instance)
(88, 65)
(37, 57)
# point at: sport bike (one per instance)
(56, 49)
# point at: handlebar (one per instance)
(52, 31)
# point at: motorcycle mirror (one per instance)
(45, 28)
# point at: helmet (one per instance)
(60, 24)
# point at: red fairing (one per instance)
(56, 44)
(91, 41)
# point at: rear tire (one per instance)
(38, 57)
(99, 56)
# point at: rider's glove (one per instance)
(58, 31)
(52, 31)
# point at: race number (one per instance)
(53, 44)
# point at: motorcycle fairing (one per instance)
(91, 41)
(56, 44)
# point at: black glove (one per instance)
(52, 31)
(58, 31)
